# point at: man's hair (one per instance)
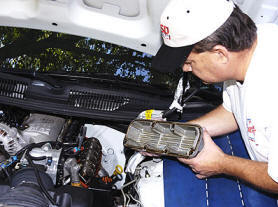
(238, 33)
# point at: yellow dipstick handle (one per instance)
(118, 170)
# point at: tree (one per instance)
(45, 51)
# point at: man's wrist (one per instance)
(225, 164)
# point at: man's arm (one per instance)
(251, 171)
(217, 122)
(212, 161)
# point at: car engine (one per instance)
(48, 161)
(68, 161)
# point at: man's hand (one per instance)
(208, 161)
(148, 154)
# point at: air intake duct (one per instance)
(25, 190)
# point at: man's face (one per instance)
(206, 66)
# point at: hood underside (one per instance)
(130, 23)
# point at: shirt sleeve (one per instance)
(226, 98)
(273, 150)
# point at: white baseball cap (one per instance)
(184, 23)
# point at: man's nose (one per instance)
(186, 67)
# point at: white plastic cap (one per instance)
(186, 22)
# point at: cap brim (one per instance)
(168, 59)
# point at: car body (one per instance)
(60, 105)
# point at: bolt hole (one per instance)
(143, 45)
(54, 24)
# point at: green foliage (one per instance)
(45, 51)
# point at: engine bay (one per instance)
(51, 160)
(53, 156)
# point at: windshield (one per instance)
(38, 51)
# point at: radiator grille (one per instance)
(96, 101)
(13, 88)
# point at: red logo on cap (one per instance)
(165, 31)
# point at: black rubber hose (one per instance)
(169, 112)
(37, 158)
(7, 174)
(190, 95)
(33, 145)
(45, 192)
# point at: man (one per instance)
(217, 42)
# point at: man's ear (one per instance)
(221, 54)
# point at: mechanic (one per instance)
(217, 42)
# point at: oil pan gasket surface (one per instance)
(165, 138)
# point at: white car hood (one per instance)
(130, 23)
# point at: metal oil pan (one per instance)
(176, 139)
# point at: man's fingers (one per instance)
(195, 171)
(185, 161)
(149, 154)
(200, 176)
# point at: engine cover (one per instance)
(41, 128)
(38, 128)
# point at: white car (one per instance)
(73, 75)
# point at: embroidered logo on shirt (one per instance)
(251, 131)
